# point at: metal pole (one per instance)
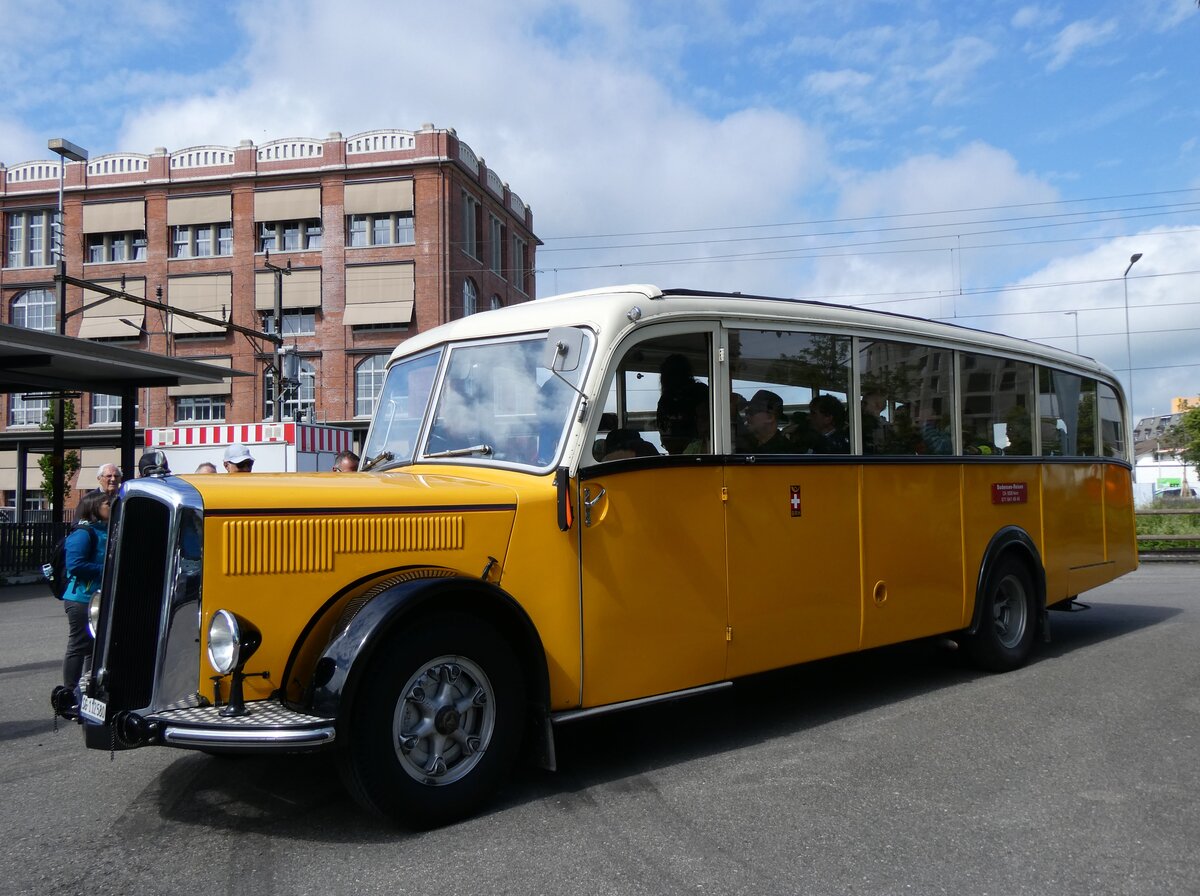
(1133, 259)
(279, 275)
(65, 150)
(1075, 314)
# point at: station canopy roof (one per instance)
(33, 361)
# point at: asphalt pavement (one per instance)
(898, 771)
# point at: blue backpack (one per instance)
(55, 572)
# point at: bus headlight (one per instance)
(94, 614)
(231, 641)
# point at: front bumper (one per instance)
(266, 726)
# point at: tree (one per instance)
(1185, 435)
(70, 459)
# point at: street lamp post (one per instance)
(1075, 314)
(66, 151)
(1133, 259)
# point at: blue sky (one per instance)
(995, 164)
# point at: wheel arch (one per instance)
(1009, 541)
(338, 673)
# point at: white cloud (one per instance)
(827, 82)
(1035, 16)
(1164, 314)
(1076, 37)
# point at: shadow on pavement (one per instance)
(301, 797)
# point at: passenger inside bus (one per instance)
(827, 421)
(762, 435)
(622, 444)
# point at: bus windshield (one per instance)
(491, 402)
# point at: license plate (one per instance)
(92, 709)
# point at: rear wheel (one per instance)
(436, 724)
(1005, 636)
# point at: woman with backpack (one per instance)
(85, 565)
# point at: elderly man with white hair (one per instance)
(109, 477)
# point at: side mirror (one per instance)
(564, 346)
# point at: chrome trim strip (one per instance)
(248, 737)
(572, 715)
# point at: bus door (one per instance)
(651, 523)
(792, 508)
(912, 525)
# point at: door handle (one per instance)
(589, 502)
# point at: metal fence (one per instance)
(24, 547)
(1165, 543)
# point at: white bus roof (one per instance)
(609, 312)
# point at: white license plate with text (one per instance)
(92, 709)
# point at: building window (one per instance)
(28, 246)
(496, 234)
(105, 409)
(27, 412)
(200, 409)
(296, 322)
(201, 240)
(368, 383)
(390, 229)
(518, 264)
(35, 309)
(299, 401)
(470, 297)
(471, 224)
(496, 302)
(290, 236)
(130, 246)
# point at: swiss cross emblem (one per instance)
(794, 499)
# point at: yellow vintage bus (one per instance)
(598, 500)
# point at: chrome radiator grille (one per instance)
(147, 641)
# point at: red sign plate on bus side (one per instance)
(794, 499)
(1010, 493)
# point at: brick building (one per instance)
(386, 233)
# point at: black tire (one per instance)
(1008, 622)
(437, 722)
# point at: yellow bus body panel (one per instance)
(794, 566)
(331, 534)
(653, 581)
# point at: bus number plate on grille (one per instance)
(92, 709)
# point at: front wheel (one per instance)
(437, 723)
(1005, 636)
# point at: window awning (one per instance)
(379, 294)
(287, 205)
(114, 217)
(225, 387)
(210, 295)
(379, 196)
(301, 289)
(186, 210)
(102, 315)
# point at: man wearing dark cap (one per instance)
(762, 435)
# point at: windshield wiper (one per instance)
(485, 450)
(377, 459)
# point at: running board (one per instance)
(573, 715)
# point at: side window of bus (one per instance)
(789, 392)
(658, 402)
(1067, 414)
(907, 398)
(1112, 432)
(997, 405)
